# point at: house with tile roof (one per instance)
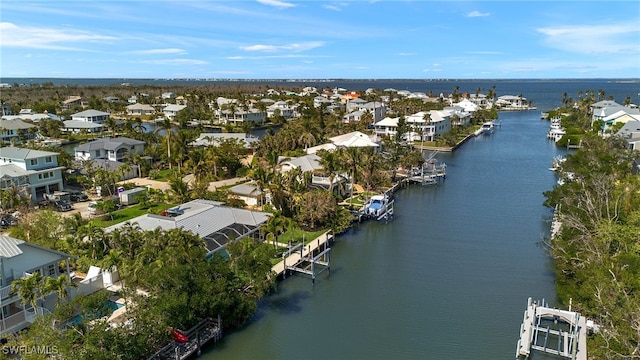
(140, 109)
(34, 172)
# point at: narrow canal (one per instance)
(448, 278)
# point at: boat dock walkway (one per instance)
(199, 335)
(310, 258)
(552, 331)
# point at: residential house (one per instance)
(5, 109)
(424, 126)
(310, 163)
(33, 117)
(140, 109)
(352, 139)
(248, 192)
(168, 95)
(92, 116)
(238, 117)
(79, 126)
(170, 111)
(35, 172)
(214, 139)
(213, 222)
(283, 108)
(355, 110)
(318, 101)
(112, 149)
(19, 258)
(481, 100)
(111, 99)
(621, 116)
(512, 102)
(15, 130)
(72, 102)
(631, 132)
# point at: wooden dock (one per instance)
(552, 331)
(199, 335)
(309, 258)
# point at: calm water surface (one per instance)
(448, 278)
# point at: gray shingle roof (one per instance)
(108, 144)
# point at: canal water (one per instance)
(448, 278)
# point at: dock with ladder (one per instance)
(562, 333)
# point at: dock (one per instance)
(310, 258)
(562, 333)
(199, 335)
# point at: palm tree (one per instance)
(274, 227)
(60, 286)
(330, 161)
(167, 126)
(27, 289)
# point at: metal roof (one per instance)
(9, 246)
(12, 152)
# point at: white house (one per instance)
(36, 172)
(241, 117)
(140, 109)
(287, 111)
(352, 139)
(113, 149)
(93, 116)
(423, 126)
(170, 111)
(214, 139)
(19, 258)
(248, 192)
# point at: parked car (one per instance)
(7, 220)
(79, 196)
(62, 206)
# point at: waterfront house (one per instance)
(34, 172)
(80, 126)
(352, 139)
(239, 117)
(621, 116)
(215, 139)
(310, 163)
(287, 111)
(213, 222)
(512, 102)
(631, 132)
(14, 130)
(92, 116)
(140, 109)
(170, 111)
(19, 258)
(425, 126)
(112, 149)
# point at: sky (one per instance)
(349, 39)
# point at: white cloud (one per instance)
(288, 47)
(276, 3)
(405, 54)
(477, 13)
(159, 51)
(175, 62)
(12, 35)
(593, 39)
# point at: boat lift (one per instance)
(308, 263)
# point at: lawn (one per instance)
(129, 213)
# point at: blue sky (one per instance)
(269, 39)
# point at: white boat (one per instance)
(379, 207)
(556, 134)
(487, 128)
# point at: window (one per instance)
(34, 162)
(51, 269)
(48, 159)
(97, 153)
